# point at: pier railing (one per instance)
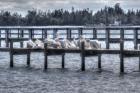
(21, 31)
(69, 32)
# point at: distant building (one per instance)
(116, 23)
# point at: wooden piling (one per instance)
(11, 55)
(99, 62)
(83, 56)
(10, 33)
(28, 59)
(121, 51)
(45, 33)
(68, 34)
(94, 33)
(0, 37)
(45, 57)
(135, 38)
(107, 38)
(21, 36)
(7, 37)
(63, 60)
(30, 34)
(42, 34)
(80, 32)
(18, 33)
(136, 42)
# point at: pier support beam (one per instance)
(21, 36)
(28, 59)
(80, 32)
(45, 33)
(107, 38)
(121, 52)
(7, 37)
(63, 60)
(11, 55)
(135, 38)
(0, 37)
(94, 33)
(30, 33)
(99, 62)
(83, 56)
(136, 42)
(45, 57)
(68, 34)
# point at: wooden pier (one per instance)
(23, 31)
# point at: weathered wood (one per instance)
(107, 38)
(80, 32)
(0, 37)
(83, 56)
(7, 37)
(28, 59)
(99, 61)
(42, 33)
(45, 33)
(69, 34)
(94, 33)
(11, 55)
(139, 63)
(30, 33)
(10, 33)
(18, 34)
(121, 52)
(21, 36)
(135, 38)
(45, 57)
(63, 60)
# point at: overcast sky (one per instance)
(22, 6)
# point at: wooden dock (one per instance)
(24, 30)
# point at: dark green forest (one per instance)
(104, 16)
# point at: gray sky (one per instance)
(22, 6)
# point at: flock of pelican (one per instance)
(65, 43)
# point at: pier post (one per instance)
(136, 42)
(135, 38)
(63, 60)
(45, 57)
(0, 38)
(80, 32)
(10, 33)
(21, 36)
(94, 33)
(30, 34)
(11, 54)
(18, 33)
(99, 62)
(121, 51)
(68, 34)
(42, 34)
(28, 59)
(107, 38)
(45, 33)
(7, 37)
(83, 56)
(55, 33)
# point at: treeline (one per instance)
(105, 16)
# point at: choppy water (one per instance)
(21, 79)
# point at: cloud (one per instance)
(22, 6)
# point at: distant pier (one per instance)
(24, 33)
